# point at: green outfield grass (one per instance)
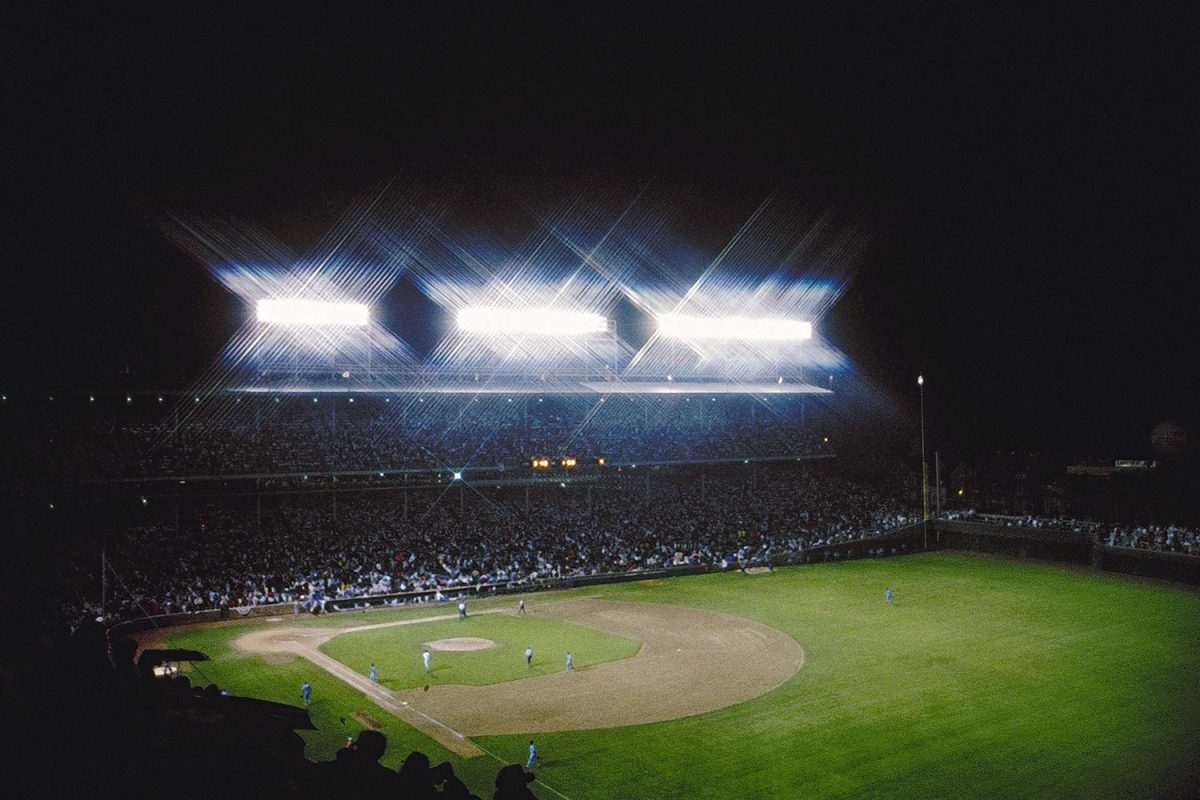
(396, 651)
(986, 678)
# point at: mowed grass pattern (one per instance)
(985, 678)
(396, 651)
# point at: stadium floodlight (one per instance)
(681, 326)
(526, 321)
(313, 313)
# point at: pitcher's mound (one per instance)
(461, 644)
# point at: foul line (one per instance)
(397, 710)
(535, 780)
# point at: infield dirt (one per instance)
(691, 661)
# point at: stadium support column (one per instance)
(924, 469)
(937, 484)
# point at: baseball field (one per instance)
(985, 677)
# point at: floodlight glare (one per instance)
(540, 321)
(312, 312)
(679, 326)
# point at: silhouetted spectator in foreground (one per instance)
(356, 770)
(512, 783)
(416, 779)
(455, 789)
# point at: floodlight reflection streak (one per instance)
(530, 321)
(679, 326)
(312, 312)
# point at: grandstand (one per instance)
(155, 437)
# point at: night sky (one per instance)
(1029, 175)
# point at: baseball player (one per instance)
(887, 596)
(529, 656)
(533, 756)
(373, 674)
(521, 607)
(426, 657)
(570, 662)
(306, 693)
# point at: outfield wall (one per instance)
(1076, 547)
(1045, 543)
(909, 539)
(1149, 563)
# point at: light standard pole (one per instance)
(924, 467)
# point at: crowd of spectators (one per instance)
(1161, 538)
(257, 435)
(308, 548)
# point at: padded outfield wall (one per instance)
(1074, 547)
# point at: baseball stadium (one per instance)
(563, 573)
(599, 401)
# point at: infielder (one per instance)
(529, 656)
(533, 756)
(426, 657)
(570, 662)
(306, 693)
(373, 674)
